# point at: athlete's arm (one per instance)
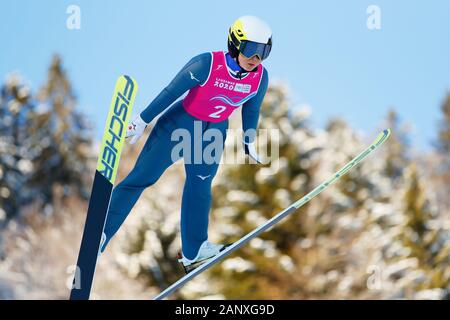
(250, 117)
(250, 109)
(193, 73)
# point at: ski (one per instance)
(382, 137)
(105, 175)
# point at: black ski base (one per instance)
(95, 219)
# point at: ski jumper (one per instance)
(215, 91)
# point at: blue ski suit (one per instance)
(156, 155)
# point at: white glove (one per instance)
(250, 150)
(136, 129)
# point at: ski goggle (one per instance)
(250, 49)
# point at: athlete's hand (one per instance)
(250, 150)
(135, 129)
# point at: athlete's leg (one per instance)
(153, 160)
(196, 201)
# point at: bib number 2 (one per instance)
(216, 115)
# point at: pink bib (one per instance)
(221, 94)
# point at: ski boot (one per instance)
(205, 253)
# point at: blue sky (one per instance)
(322, 49)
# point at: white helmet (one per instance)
(250, 36)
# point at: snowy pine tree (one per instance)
(425, 237)
(61, 139)
(444, 130)
(15, 166)
(396, 151)
(443, 151)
